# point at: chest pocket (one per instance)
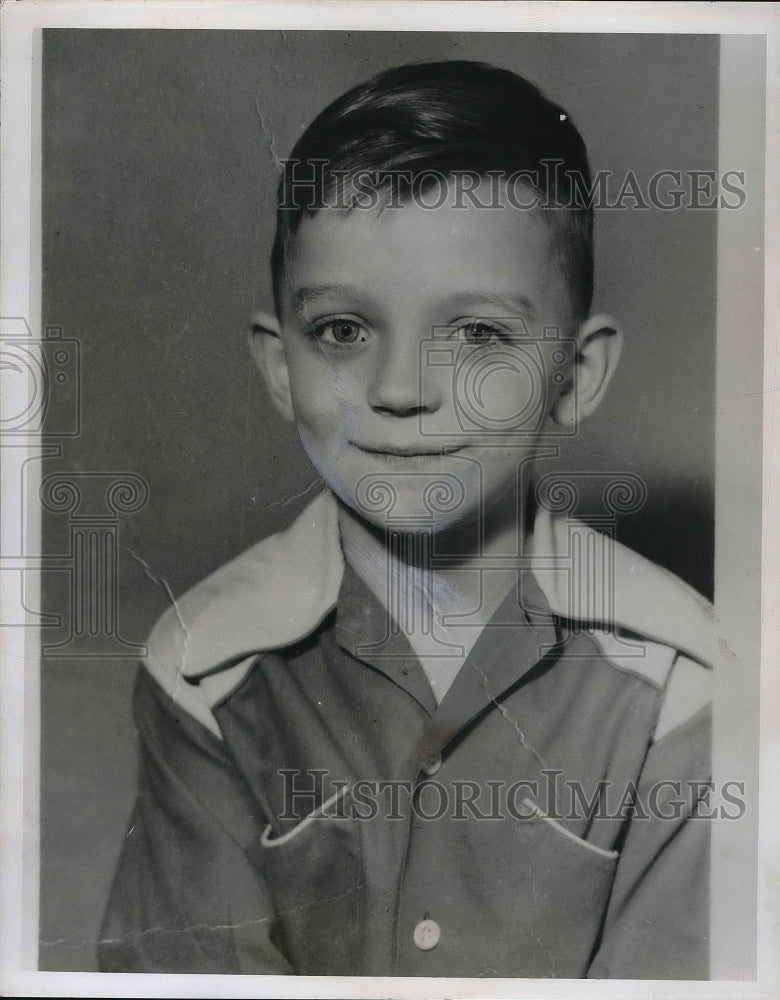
(314, 875)
(572, 882)
(512, 898)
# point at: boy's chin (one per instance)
(391, 511)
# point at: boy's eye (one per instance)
(340, 331)
(479, 333)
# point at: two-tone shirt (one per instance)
(305, 806)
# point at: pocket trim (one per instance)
(266, 838)
(538, 814)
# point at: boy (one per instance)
(414, 734)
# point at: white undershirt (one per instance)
(424, 604)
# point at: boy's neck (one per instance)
(414, 586)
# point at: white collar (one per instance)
(279, 590)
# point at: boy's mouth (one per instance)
(409, 451)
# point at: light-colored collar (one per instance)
(278, 592)
(270, 596)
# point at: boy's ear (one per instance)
(265, 343)
(600, 342)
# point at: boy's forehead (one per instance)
(410, 248)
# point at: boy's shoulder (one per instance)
(644, 619)
(278, 591)
(270, 596)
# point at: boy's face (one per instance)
(420, 375)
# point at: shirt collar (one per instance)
(518, 636)
(279, 591)
(367, 631)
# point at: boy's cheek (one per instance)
(324, 428)
(324, 397)
(506, 397)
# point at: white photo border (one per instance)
(742, 319)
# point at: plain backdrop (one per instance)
(158, 192)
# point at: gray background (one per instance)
(158, 193)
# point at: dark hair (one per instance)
(446, 117)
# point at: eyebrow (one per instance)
(311, 293)
(513, 305)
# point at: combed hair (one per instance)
(445, 118)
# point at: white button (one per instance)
(426, 935)
(431, 764)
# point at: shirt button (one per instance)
(431, 764)
(426, 935)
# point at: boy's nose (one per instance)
(399, 386)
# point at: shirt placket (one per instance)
(500, 658)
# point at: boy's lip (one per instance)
(409, 451)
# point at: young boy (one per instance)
(432, 729)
